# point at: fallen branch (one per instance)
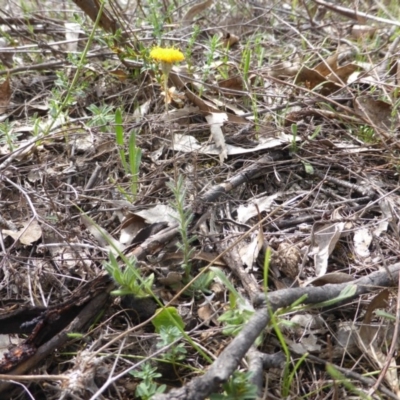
(220, 371)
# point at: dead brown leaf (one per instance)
(230, 40)
(332, 277)
(326, 67)
(196, 9)
(341, 74)
(234, 83)
(312, 78)
(92, 8)
(205, 313)
(5, 95)
(377, 112)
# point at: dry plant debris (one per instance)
(199, 200)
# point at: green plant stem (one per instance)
(79, 66)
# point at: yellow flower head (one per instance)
(167, 55)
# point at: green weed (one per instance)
(184, 219)
(131, 164)
(147, 388)
(238, 387)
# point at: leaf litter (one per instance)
(287, 141)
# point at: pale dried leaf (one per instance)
(102, 236)
(362, 240)
(31, 233)
(171, 279)
(377, 112)
(250, 210)
(28, 234)
(189, 144)
(305, 345)
(327, 66)
(141, 111)
(333, 277)
(130, 228)
(205, 312)
(249, 251)
(196, 9)
(325, 239)
(159, 213)
(387, 214)
(72, 31)
(216, 120)
(363, 31)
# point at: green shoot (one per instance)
(129, 279)
(147, 388)
(238, 387)
(184, 219)
(132, 166)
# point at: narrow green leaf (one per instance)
(119, 130)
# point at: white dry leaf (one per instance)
(131, 226)
(189, 144)
(102, 236)
(325, 239)
(362, 239)
(72, 31)
(84, 143)
(28, 234)
(387, 214)
(159, 213)
(216, 120)
(141, 111)
(251, 209)
(309, 321)
(307, 344)
(249, 251)
(265, 203)
(35, 175)
(6, 341)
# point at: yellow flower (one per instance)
(167, 55)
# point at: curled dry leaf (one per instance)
(230, 40)
(333, 277)
(312, 78)
(325, 239)
(196, 9)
